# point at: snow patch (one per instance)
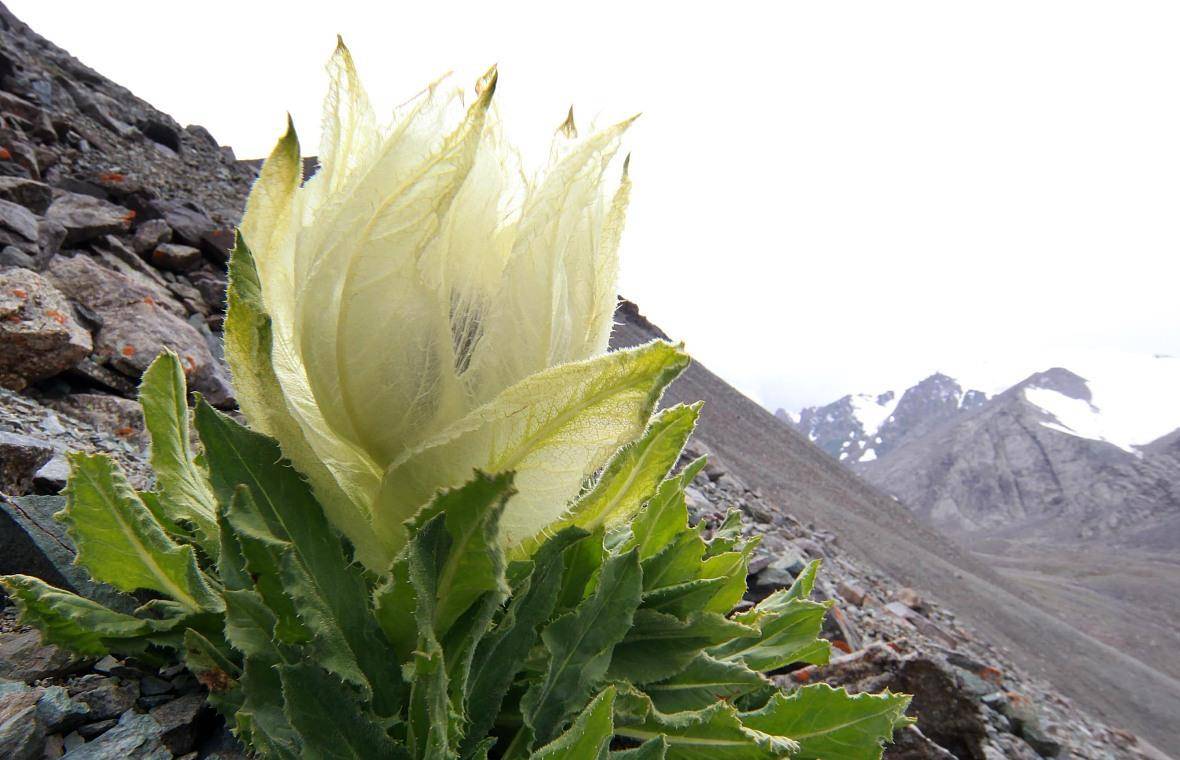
(869, 455)
(871, 414)
(1133, 402)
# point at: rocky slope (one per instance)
(114, 223)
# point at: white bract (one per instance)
(432, 311)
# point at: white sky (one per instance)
(829, 197)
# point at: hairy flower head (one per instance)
(410, 284)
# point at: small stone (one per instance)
(151, 686)
(52, 477)
(175, 257)
(1045, 745)
(909, 598)
(98, 728)
(21, 456)
(86, 217)
(151, 234)
(108, 665)
(22, 735)
(178, 720)
(73, 741)
(851, 592)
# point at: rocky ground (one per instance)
(114, 228)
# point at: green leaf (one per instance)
(652, 749)
(474, 563)
(249, 339)
(184, 491)
(714, 733)
(631, 477)
(589, 736)
(583, 561)
(330, 719)
(704, 681)
(831, 724)
(666, 515)
(579, 646)
(433, 725)
(120, 542)
(787, 633)
(502, 653)
(261, 718)
(550, 448)
(238, 456)
(728, 535)
(660, 645)
(213, 667)
(80, 625)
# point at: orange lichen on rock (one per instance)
(128, 350)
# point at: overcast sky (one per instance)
(829, 197)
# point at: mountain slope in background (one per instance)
(1055, 456)
(1062, 484)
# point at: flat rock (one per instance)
(136, 328)
(39, 336)
(58, 712)
(33, 195)
(18, 220)
(24, 658)
(33, 543)
(175, 257)
(86, 217)
(136, 735)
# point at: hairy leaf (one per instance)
(589, 736)
(553, 429)
(831, 724)
(120, 542)
(184, 491)
(579, 646)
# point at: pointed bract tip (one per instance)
(626, 166)
(568, 128)
(340, 46)
(485, 86)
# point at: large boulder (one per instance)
(136, 328)
(39, 336)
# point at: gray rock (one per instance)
(151, 234)
(18, 220)
(33, 543)
(179, 721)
(189, 222)
(175, 257)
(109, 697)
(34, 196)
(22, 736)
(58, 712)
(136, 735)
(11, 256)
(782, 570)
(39, 336)
(151, 686)
(86, 217)
(20, 458)
(136, 328)
(98, 728)
(24, 658)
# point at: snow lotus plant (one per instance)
(452, 527)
